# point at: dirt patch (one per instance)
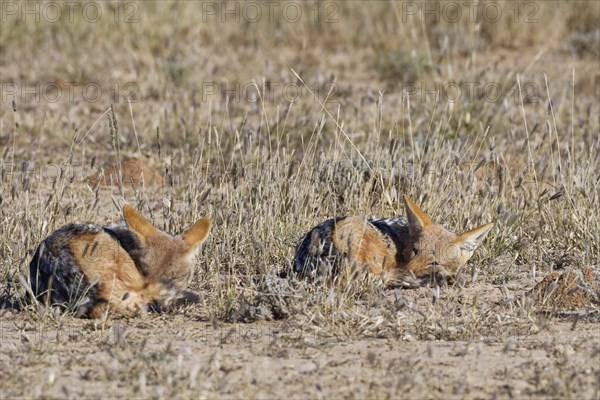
(131, 172)
(166, 356)
(566, 290)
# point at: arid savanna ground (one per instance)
(270, 117)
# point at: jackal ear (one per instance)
(417, 219)
(470, 240)
(195, 235)
(136, 223)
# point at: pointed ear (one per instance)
(470, 240)
(417, 219)
(136, 223)
(197, 233)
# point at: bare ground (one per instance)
(181, 356)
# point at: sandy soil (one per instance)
(162, 356)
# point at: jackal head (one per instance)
(433, 250)
(166, 256)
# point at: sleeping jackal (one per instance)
(121, 268)
(405, 251)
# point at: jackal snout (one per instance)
(434, 249)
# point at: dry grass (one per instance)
(266, 170)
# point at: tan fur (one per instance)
(364, 243)
(430, 249)
(415, 215)
(435, 250)
(125, 287)
(167, 256)
(137, 223)
(196, 232)
(130, 304)
(103, 260)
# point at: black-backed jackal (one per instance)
(406, 251)
(118, 268)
